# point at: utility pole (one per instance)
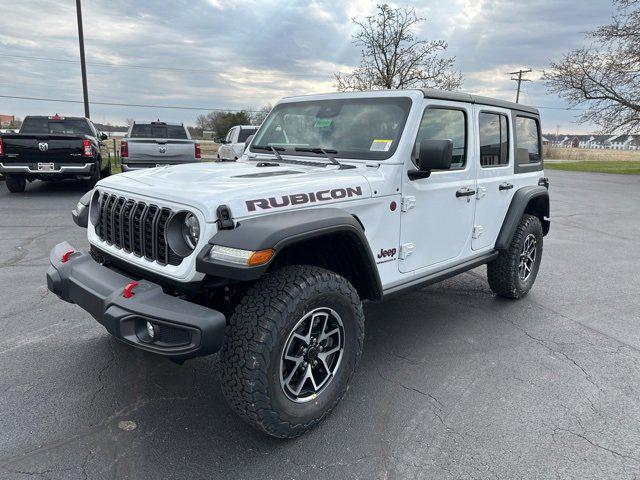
(83, 66)
(520, 78)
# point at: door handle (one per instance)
(505, 186)
(465, 192)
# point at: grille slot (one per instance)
(136, 227)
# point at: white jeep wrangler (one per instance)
(338, 199)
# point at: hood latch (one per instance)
(225, 222)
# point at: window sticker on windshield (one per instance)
(323, 122)
(381, 145)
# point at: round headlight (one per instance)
(191, 230)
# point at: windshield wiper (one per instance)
(276, 150)
(327, 153)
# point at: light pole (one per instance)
(83, 66)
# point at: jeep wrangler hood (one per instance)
(248, 190)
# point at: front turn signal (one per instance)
(260, 257)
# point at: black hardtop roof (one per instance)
(469, 98)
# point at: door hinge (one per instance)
(477, 231)
(481, 192)
(408, 203)
(406, 250)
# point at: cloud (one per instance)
(240, 53)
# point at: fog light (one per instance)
(151, 330)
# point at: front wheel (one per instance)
(292, 346)
(513, 273)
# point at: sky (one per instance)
(218, 54)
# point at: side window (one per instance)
(494, 140)
(528, 140)
(444, 124)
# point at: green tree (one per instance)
(221, 122)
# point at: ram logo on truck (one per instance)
(43, 146)
(302, 198)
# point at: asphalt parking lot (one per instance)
(454, 382)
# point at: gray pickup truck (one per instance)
(155, 144)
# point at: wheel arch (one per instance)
(533, 200)
(324, 237)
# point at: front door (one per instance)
(437, 216)
(495, 175)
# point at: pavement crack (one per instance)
(433, 399)
(595, 444)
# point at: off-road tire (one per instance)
(255, 337)
(503, 274)
(16, 183)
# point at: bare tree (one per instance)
(258, 116)
(129, 121)
(605, 76)
(393, 57)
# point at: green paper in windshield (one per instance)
(323, 122)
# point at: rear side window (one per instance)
(246, 133)
(528, 140)
(444, 124)
(150, 130)
(494, 140)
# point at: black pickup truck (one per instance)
(54, 148)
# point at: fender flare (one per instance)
(281, 230)
(533, 199)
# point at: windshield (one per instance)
(151, 130)
(362, 128)
(67, 126)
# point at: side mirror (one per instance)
(103, 136)
(433, 155)
(248, 141)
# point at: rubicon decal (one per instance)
(302, 198)
(386, 255)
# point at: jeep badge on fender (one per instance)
(268, 260)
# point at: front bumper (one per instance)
(59, 168)
(184, 329)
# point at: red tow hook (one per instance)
(128, 289)
(66, 255)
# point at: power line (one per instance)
(144, 67)
(208, 109)
(117, 104)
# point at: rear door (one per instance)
(494, 172)
(243, 135)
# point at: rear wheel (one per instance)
(107, 170)
(90, 182)
(292, 346)
(16, 183)
(513, 273)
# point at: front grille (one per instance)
(136, 227)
